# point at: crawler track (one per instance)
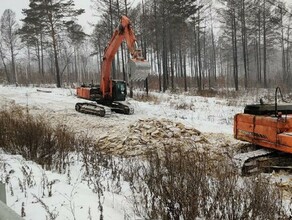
(262, 160)
(122, 107)
(93, 108)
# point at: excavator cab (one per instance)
(119, 90)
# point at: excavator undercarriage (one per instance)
(93, 108)
(103, 107)
(104, 111)
(263, 161)
(269, 128)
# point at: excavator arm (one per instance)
(123, 32)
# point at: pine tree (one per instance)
(53, 17)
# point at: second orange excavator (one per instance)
(269, 128)
(110, 95)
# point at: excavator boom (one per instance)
(123, 32)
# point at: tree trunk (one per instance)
(164, 60)
(199, 54)
(259, 51)
(13, 63)
(244, 44)
(157, 45)
(171, 62)
(234, 46)
(42, 56)
(288, 55)
(185, 72)
(5, 66)
(214, 62)
(285, 76)
(53, 35)
(265, 45)
(56, 58)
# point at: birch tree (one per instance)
(9, 43)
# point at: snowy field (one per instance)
(71, 198)
(206, 114)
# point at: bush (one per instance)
(172, 184)
(143, 97)
(189, 186)
(34, 138)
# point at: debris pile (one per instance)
(156, 135)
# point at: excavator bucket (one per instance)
(138, 69)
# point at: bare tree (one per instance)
(10, 42)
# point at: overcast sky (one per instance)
(18, 5)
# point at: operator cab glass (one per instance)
(119, 90)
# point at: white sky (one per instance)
(18, 5)
(84, 19)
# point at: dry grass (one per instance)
(172, 185)
(143, 97)
(34, 138)
(190, 186)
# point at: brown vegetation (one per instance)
(165, 184)
(34, 138)
(186, 186)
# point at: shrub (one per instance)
(34, 138)
(143, 97)
(189, 186)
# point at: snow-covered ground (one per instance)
(71, 198)
(205, 114)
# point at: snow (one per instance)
(68, 201)
(206, 114)
(71, 196)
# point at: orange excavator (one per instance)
(110, 95)
(269, 128)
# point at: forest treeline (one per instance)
(191, 44)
